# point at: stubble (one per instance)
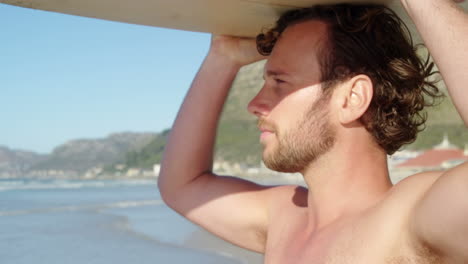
(301, 145)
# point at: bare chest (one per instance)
(347, 244)
(380, 234)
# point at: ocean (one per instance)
(101, 221)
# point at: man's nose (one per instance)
(259, 105)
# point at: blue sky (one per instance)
(65, 77)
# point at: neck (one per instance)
(348, 179)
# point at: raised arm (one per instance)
(443, 25)
(439, 220)
(231, 208)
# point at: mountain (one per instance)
(147, 156)
(81, 155)
(17, 162)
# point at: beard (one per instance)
(304, 143)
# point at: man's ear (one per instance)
(355, 98)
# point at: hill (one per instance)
(17, 162)
(146, 156)
(81, 155)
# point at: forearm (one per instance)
(443, 26)
(189, 150)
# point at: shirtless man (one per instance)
(335, 127)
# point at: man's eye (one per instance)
(279, 80)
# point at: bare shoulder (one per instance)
(402, 198)
(438, 220)
(413, 187)
(399, 205)
(400, 201)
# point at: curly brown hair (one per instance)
(371, 40)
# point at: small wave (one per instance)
(71, 208)
(67, 184)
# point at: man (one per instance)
(334, 119)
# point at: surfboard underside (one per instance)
(229, 17)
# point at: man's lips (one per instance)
(265, 133)
(265, 128)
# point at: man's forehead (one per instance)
(297, 48)
(301, 39)
(308, 32)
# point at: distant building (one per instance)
(148, 173)
(120, 167)
(133, 172)
(93, 172)
(156, 169)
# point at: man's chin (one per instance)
(278, 166)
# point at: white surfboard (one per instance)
(229, 17)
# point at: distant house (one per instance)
(133, 172)
(442, 156)
(156, 169)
